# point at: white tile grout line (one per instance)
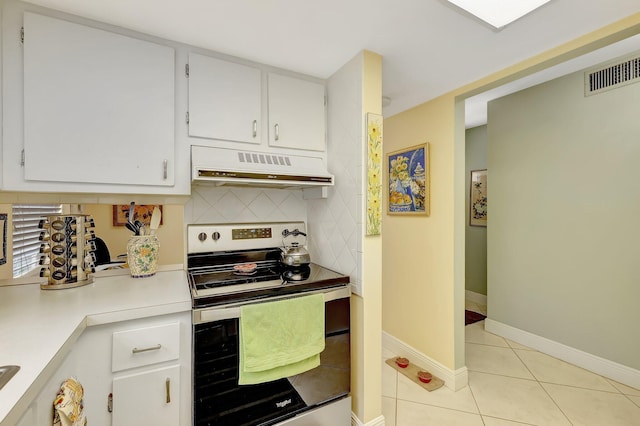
(615, 391)
(542, 387)
(618, 391)
(476, 402)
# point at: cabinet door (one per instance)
(224, 100)
(28, 418)
(296, 113)
(98, 106)
(147, 398)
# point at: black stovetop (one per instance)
(213, 280)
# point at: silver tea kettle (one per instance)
(294, 254)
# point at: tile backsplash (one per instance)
(331, 222)
(337, 222)
(226, 204)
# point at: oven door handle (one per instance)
(222, 312)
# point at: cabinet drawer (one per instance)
(144, 346)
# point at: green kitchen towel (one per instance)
(280, 339)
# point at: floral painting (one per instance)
(374, 174)
(478, 201)
(3, 238)
(409, 180)
(140, 212)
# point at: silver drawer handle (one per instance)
(150, 348)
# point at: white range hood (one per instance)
(223, 166)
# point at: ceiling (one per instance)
(429, 47)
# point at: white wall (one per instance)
(563, 250)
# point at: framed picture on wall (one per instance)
(409, 181)
(374, 174)
(478, 198)
(3, 238)
(141, 212)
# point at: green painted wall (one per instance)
(563, 252)
(475, 236)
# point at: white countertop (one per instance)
(39, 327)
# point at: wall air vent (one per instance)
(612, 75)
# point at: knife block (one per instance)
(67, 251)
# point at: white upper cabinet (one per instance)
(99, 107)
(227, 102)
(224, 100)
(296, 113)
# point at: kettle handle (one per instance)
(286, 233)
(295, 233)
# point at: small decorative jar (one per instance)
(142, 255)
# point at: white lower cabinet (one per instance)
(150, 397)
(127, 378)
(28, 418)
(146, 383)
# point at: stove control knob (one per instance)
(202, 236)
(215, 236)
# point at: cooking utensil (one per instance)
(132, 211)
(155, 220)
(139, 227)
(131, 227)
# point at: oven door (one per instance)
(219, 400)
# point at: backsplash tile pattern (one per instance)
(225, 204)
(336, 222)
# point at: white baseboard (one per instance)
(476, 297)
(453, 379)
(378, 421)
(604, 367)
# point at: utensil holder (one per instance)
(142, 255)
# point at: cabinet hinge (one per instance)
(22, 158)
(187, 117)
(22, 35)
(186, 70)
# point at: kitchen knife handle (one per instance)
(255, 128)
(277, 131)
(168, 390)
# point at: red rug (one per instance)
(470, 317)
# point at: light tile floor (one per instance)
(509, 384)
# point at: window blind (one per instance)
(26, 243)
